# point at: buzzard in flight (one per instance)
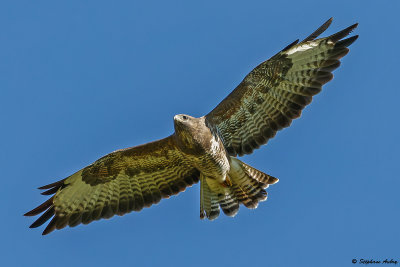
(205, 148)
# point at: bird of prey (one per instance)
(205, 148)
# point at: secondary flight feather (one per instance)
(203, 149)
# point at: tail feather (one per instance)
(229, 204)
(261, 177)
(209, 206)
(249, 181)
(247, 187)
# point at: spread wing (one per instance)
(120, 182)
(276, 91)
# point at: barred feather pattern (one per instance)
(276, 91)
(209, 206)
(267, 100)
(248, 188)
(123, 181)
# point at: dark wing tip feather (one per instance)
(50, 191)
(44, 218)
(290, 45)
(332, 49)
(46, 207)
(50, 227)
(343, 33)
(346, 42)
(39, 209)
(323, 77)
(318, 31)
(56, 184)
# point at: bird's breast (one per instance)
(214, 162)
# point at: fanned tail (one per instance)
(246, 186)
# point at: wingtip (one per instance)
(42, 207)
(328, 22)
(50, 227)
(46, 231)
(347, 42)
(343, 33)
(318, 31)
(45, 187)
(55, 184)
(28, 214)
(50, 191)
(352, 27)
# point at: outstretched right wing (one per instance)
(277, 90)
(123, 181)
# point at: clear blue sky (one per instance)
(79, 79)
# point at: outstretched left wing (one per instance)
(120, 182)
(276, 91)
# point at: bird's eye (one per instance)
(184, 117)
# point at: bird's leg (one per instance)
(227, 182)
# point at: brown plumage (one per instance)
(276, 91)
(205, 148)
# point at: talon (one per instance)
(227, 182)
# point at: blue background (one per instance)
(80, 79)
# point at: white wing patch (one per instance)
(303, 47)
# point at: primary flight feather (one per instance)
(205, 148)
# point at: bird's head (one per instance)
(187, 130)
(182, 122)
